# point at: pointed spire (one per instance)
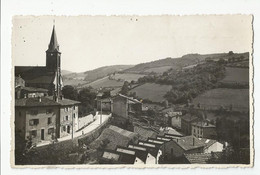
(53, 46)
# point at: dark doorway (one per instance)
(68, 129)
(42, 134)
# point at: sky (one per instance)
(89, 42)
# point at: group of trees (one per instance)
(188, 83)
(86, 96)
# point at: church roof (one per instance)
(35, 102)
(53, 46)
(35, 74)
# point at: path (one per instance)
(86, 130)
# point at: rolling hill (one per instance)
(162, 65)
(76, 79)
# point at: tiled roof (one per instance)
(203, 124)
(152, 151)
(115, 136)
(65, 101)
(33, 102)
(32, 89)
(138, 153)
(202, 158)
(189, 118)
(144, 133)
(123, 157)
(187, 142)
(129, 98)
(172, 131)
(207, 142)
(35, 74)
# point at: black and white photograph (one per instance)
(139, 91)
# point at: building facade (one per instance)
(203, 130)
(46, 77)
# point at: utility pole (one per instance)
(101, 112)
(72, 123)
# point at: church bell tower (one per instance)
(53, 54)
(53, 63)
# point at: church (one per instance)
(46, 77)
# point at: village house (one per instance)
(125, 107)
(186, 122)
(36, 118)
(67, 121)
(43, 118)
(175, 149)
(203, 129)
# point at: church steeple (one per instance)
(53, 46)
(53, 53)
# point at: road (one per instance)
(86, 130)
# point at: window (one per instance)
(194, 130)
(74, 107)
(34, 112)
(198, 131)
(49, 120)
(33, 133)
(33, 122)
(74, 116)
(201, 132)
(50, 131)
(64, 128)
(48, 111)
(66, 109)
(66, 118)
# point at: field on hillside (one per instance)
(114, 81)
(128, 77)
(105, 82)
(213, 99)
(74, 82)
(239, 75)
(152, 91)
(159, 70)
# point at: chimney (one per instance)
(193, 141)
(40, 99)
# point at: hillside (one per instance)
(65, 72)
(162, 65)
(76, 79)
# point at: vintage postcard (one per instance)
(132, 91)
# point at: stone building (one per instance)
(44, 118)
(46, 77)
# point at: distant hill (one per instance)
(92, 75)
(162, 65)
(65, 72)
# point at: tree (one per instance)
(125, 88)
(70, 92)
(87, 98)
(230, 53)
